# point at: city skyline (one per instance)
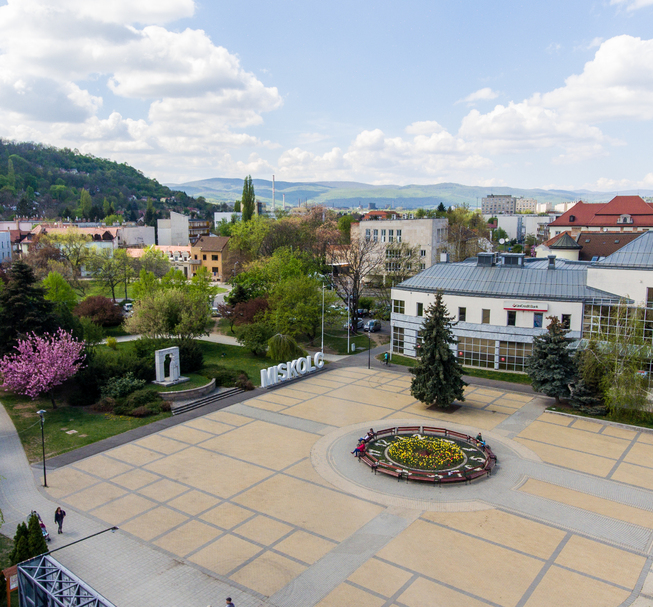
(553, 96)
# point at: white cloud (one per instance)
(484, 94)
(199, 96)
(611, 185)
(632, 5)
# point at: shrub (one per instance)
(117, 387)
(255, 337)
(112, 342)
(142, 397)
(224, 377)
(244, 383)
(140, 412)
(105, 405)
(101, 310)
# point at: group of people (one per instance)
(362, 443)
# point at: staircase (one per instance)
(207, 400)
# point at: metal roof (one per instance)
(636, 254)
(568, 282)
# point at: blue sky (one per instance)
(556, 94)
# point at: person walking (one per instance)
(59, 515)
(230, 603)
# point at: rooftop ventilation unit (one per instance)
(486, 260)
(513, 260)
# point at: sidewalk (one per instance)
(124, 570)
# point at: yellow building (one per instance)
(212, 252)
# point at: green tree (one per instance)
(255, 337)
(237, 206)
(59, 291)
(151, 215)
(74, 248)
(23, 307)
(125, 267)
(438, 374)
(24, 208)
(442, 208)
(551, 367)
(105, 268)
(344, 225)
(498, 234)
(248, 236)
(11, 174)
(20, 551)
(296, 307)
(248, 202)
(282, 348)
(36, 541)
(85, 203)
(155, 261)
(171, 313)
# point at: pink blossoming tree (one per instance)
(41, 363)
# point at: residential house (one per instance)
(212, 252)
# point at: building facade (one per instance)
(526, 205)
(212, 252)
(621, 214)
(499, 204)
(501, 302)
(429, 236)
(5, 246)
(173, 231)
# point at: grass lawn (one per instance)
(196, 381)
(118, 331)
(90, 427)
(235, 357)
(515, 378)
(94, 287)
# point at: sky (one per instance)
(494, 93)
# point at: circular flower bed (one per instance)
(425, 453)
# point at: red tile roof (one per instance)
(607, 214)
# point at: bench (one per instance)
(408, 429)
(425, 478)
(398, 473)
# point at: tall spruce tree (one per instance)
(36, 541)
(551, 367)
(23, 307)
(20, 551)
(438, 374)
(248, 202)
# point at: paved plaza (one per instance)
(264, 500)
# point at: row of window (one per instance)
(399, 307)
(390, 237)
(213, 257)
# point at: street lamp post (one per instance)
(42, 416)
(369, 347)
(322, 350)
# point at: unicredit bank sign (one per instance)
(291, 370)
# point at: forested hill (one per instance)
(38, 180)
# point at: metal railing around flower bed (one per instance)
(436, 478)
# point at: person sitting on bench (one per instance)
(360, 450)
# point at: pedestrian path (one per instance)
(264, 501)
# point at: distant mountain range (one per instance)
(352, 194)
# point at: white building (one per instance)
(232, 217)
(520, 226)
(428, 235)
(498, 204)
(136, 236)
(526, 205)
(5, 246)
(502, 302)
(173, 231)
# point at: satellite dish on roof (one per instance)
(502, 241)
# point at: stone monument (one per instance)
(175, 376)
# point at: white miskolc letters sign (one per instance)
(290, 370)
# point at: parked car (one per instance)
(215, 311)
(362, 312)
(359, 325)
(372, 326)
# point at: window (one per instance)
(538, 320)
(476, 352)
(215, 270)
(367, 234)
(422, 266)
(382, 235)
(485, 317)
(422, 253)
(204, 257)
(462, 314)
(195, 256)
(420, 309)
(376, 235)
(398, 306)
(398, 235)
(391, 235)
(398, 339)
(512, 318)
(566, 321)
(214, 257)
(649, 297)
(513, 355)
